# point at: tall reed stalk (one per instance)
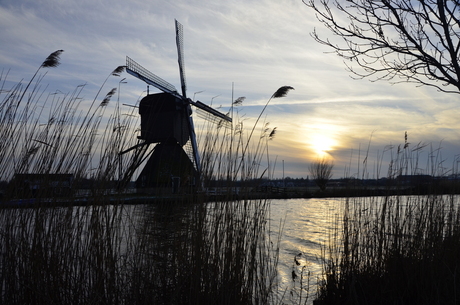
(396, 249)
(97, 249)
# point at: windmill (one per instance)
(167, 122)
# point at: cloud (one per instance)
(232, 48)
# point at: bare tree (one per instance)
(321, 172)
(397, 40)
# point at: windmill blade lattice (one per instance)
(140, 72)
(180, 55)
(207, 116)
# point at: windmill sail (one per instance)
(166, 120)
(212, 111)
(140, 72)
(180, 55)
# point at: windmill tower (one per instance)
(167, 122)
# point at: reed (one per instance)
(395, 249)
(96, 249)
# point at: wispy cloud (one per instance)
(258, 46)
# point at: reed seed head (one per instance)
(52, 60)
(118, 70)
(282, 92)
(109, 95)
(239, 101)
(272, 134)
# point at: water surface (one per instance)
(307, 225)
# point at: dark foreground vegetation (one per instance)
(396, 249)
(102, 251)
(399, 248)
(397, 243)
(142, 254)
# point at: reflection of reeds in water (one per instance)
(395, 249)
(61, 255)
(110, 253)
(162, 254)
(204, 254)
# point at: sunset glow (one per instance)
(232, 49)
(321, 139)
(321, 145)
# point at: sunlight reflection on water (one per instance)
(307, 226)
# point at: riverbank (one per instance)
(133, 196)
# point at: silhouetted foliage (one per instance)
(321, 172)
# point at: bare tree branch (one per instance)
(395, 40)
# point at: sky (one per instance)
(254, 47)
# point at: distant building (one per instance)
(40, 185)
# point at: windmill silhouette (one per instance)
(167, 122)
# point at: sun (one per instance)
(320, 139)
(322, 144)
